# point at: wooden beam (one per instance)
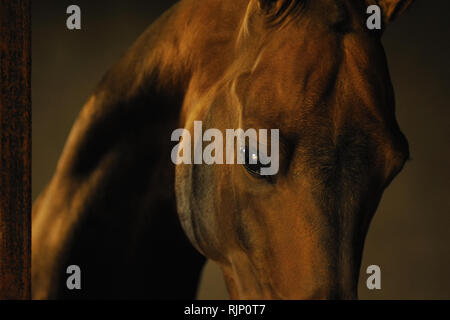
(15, 149)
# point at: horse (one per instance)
(139, 226)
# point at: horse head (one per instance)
(313, 70)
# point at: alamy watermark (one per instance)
(251, 145)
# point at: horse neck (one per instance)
(111, 203)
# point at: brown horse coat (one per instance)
(309, 68)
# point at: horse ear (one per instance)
(393, 8)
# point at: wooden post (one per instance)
(15, 149)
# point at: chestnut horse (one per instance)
(310, 68)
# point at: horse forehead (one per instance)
(306, 70)
(309, 106)
(288, 87)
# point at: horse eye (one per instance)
(252, 164)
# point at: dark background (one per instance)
(410, 235)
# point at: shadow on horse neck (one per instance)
(115, 194)
(129, 242)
